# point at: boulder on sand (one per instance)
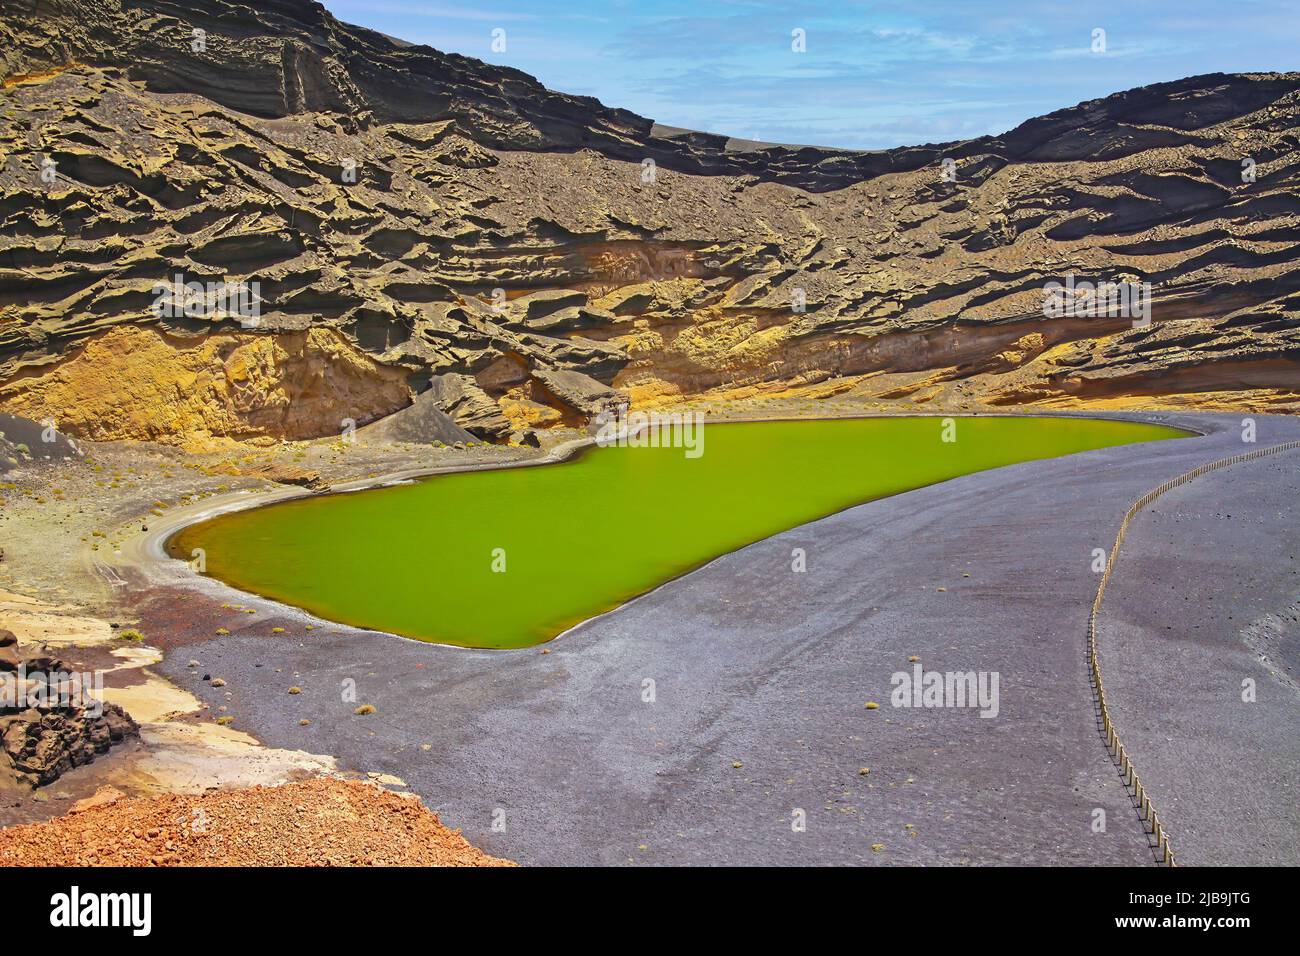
(579, 391)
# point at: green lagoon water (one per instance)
(582, 537)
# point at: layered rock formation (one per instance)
(422, 224)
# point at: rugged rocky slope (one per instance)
(46, 728)
(424, 224)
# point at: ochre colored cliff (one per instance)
(133, 382)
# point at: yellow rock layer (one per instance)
(138, 383)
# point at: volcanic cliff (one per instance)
(425, 227)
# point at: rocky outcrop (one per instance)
(58, 731)
(282, 474)
(416, 221)
(468, 406)
(578, 391)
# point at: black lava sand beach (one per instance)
(759, 746)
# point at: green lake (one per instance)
(582, 537)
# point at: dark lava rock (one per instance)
(40, 743)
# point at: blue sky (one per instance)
(874, 74)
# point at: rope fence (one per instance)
(1114, 746)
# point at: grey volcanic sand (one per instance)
(1205, 596)
(16, 431)
(757, 665)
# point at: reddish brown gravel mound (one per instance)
(322, 822)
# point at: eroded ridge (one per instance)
(445, 228)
